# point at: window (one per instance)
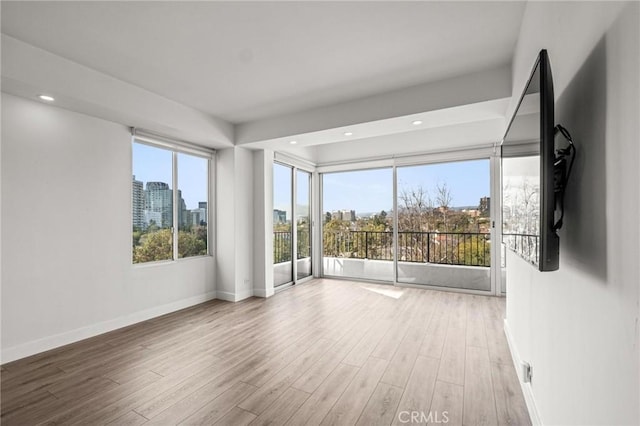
(193, 174)
(168, 224)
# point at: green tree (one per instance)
(304, 246)
(137, 234)
(380, 221)
(190, 245)
(154, 246)
(474, 250)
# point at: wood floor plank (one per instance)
(419, 390)
(387, 347)
(382, 406)
(130, 418)
(497, 343)
(493, 314)
(186, 373)
(476, 335)
(80, 387)
(180, 404)
(223, 377)
(278, 384)
(316, 407)
(349, 406)
(282, 409)
(24, 411)
(435, 334)
(314, 376)
(236, 417)
(264, 372)
(220, 406)
(453, 356)
(447, 404)
(510, 405)
(402, 362)
(458, 311)
(360, 353)
(13, 395)
(479, 400)
(74, 411)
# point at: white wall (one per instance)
(263, 223)
(66, 240)
(578, 327)
(234, 224)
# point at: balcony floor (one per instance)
(331, 352)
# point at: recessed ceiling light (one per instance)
(417, 123)
(293, 142)
(348, 133)
(46, 98)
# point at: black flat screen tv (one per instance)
(529, 225)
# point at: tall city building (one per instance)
(202, 206)
(137, 203)
(159, 204)
(199, 215)
(184, 216)
(279, 216)
(348, 215)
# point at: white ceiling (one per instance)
(245, 61)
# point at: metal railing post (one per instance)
(366, 244)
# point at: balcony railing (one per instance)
(282, 245)
(449, 248)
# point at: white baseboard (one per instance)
(526, 387)
(233, 297)
(260, 292)
(51, 342)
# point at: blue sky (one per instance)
(368, 191)
(154, 165)
(365, 191)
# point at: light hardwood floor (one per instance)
(325, 352)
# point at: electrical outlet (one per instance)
(526, 372)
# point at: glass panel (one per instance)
(357, 227)
(152, 204)
(444, 225)
(521, 206)
(282, 229)
(193, 190)
(303, 223)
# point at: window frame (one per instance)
(176, 147)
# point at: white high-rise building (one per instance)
(159, 199)
(137, 203)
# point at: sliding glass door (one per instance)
(282, 224)
(436, 232)
(292, 225)
(444, 224)
(357, 230)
